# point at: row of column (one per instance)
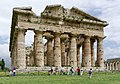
(56, 56)
(113, 66)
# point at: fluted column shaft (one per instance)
(73, 52)
(39, 50)
(78, 56)
(21, 55)
(57, 50)
(87, 52)
(100, 52)
(63, 56)
(49, 52)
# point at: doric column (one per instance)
(49, 50)
(15, 56)
(92, 53)
(39, 49)
(113, 66)
(34, 48)
(68, 57)
(57, 50)
(107, 66)
(100, 52)
(73, 51)
(87, 52)
(116, 66)
(110, 66)
(78, 56)
(28, 60)
(12, 59)
(63, 53)
(83, 60)
(21, 55)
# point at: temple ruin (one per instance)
(66, 31)
(112, 64)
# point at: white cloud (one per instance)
(112, 52)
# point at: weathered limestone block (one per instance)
(50, 58)
(100, 52)
(57, 50)
(73, 52)
(21, 56)
(39, 49)
(87, 52)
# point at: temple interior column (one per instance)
(49, 50)
(100, 52)
(83, 60)
(62, 52)
(68, 57)
(92, 53)
(87, 52)
(73, 51)
(57, 50)
(21, 55)
(28, 60)
(39, 49)
(78, 56)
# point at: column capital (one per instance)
(49, 37)
(86, 36)
(73, 35)
(21, 30)
(37, 32)
(64, 37)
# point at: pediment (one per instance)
(74, 14)
(79, 13)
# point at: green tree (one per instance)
(2, 64)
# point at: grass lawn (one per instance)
(32, 78)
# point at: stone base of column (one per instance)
(94, 68)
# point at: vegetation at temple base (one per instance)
(44, 78)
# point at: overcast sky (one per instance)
(108, 10)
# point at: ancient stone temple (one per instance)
(66, 31)
(113, 64)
